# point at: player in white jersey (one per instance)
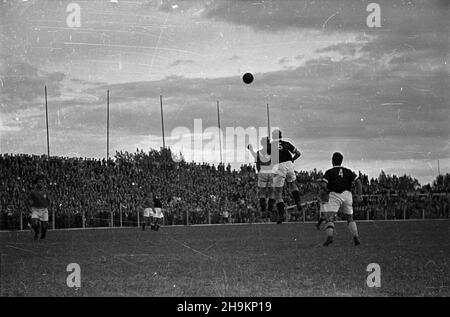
(265, 176)
(336, 196)
(148, 210)
(158, 216)
(39, 203)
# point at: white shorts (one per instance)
(265, 179)
(148, 212)
(336, 202)
(283, 171)
(39, 213)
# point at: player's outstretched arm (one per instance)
(252, 151)
(297, 154)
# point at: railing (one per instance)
(124, 217)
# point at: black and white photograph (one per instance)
(225, 154)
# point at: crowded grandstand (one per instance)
(87, 192)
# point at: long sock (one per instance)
(35, 227)
(329, 229)
(262, 204)
(280, 208)
(296, 195)
(270, 204)
(44, 230)
(353, 228)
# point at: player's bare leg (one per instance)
(352, 228)
(35, 225)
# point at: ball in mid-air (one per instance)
(247, 78)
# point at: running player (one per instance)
(337, 183)
(283, 155)
(265, 176)
(39, 207)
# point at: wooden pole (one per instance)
(162, 122)
(21, 220)
(439, 169)
(120, 215)
(138, 223)
(107, 125)
(220, 131)
(46, 120)
(111, 224)
(53, 219)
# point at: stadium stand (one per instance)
(88, 192)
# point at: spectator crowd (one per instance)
(89, 192)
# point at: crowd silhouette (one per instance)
(87, 192)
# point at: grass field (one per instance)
(231, 260)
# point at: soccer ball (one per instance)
(247, 78)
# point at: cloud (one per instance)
(283, 61)
(234, 58)
(182, 62)
(23, 83)
(348, 49)
(330, 15)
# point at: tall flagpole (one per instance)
(46, 120)
(268, 122)
(220, 132)
(107, 125)
(439, 169)
(162, 122)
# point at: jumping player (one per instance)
(265, 176)
(39, 207)
(337, 183)
(283, 155)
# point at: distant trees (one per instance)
(442, 183)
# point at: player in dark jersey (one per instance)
(336, 195)
(39, 202)
(283, 155)
(265, 176)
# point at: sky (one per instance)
(376, 92)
